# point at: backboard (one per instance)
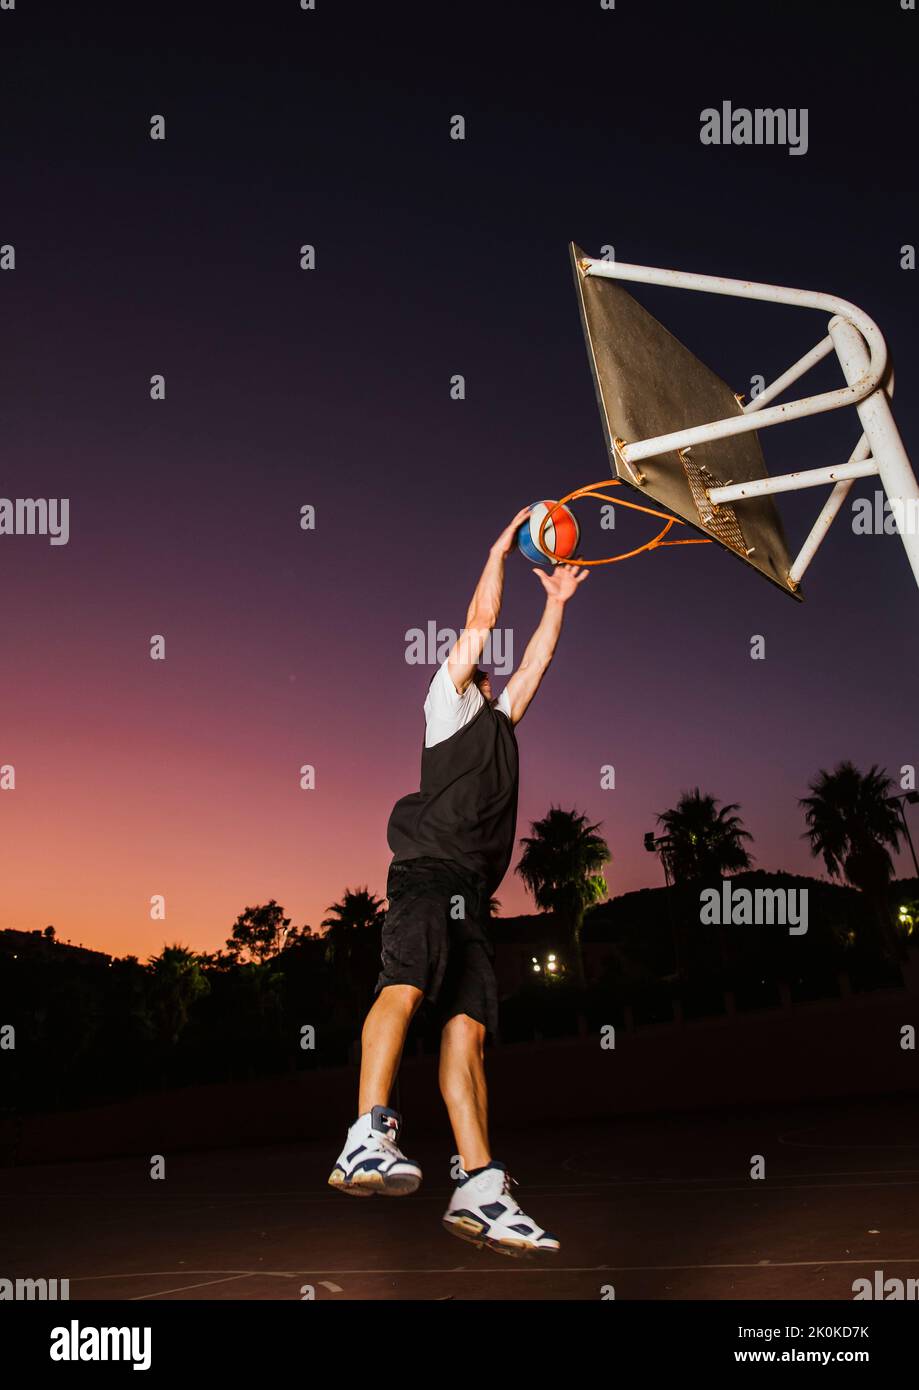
(648, 384)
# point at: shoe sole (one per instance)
(514, 1249)
(374, 1184)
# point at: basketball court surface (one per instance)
(655, 1207)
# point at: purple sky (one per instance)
(331, 388)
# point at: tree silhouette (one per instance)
(356, 911)
(260, 933)
(703, 841)
(561, 867)
(852, 823)
(176, 981)
(352, 937)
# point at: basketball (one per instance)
(561, 536)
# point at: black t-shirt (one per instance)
(466, 808)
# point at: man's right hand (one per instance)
(505, 542)
(484, 610)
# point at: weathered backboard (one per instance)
(649, 384)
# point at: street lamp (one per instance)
(659, 844)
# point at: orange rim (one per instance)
(591, 490)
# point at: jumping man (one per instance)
(452, 843)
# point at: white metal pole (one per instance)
(818, 532)
(828, 514)
(793, 482)
(894, 468)
(863, 384)
(832, 505)
(800, 368)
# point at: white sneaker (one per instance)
(372, 1161)
(482, 1210)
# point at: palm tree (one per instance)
(561, 866)
(352, 938)
(176, 982)
(261, 983)
(853, 824)
(703, 841)
(356, 912)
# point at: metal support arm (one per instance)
(862, 352)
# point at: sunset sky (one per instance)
(331, 388)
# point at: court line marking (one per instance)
(769, 1185)
(798, 1144)
(522, 1268)
(690, 1185)
(205, 1284)
(595, 1179)
(572, 1190)
(598, 1181)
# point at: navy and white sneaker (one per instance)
(372, 1161)
(483, 1210)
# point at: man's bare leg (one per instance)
(482, 1209)
(371, 1160)
(463, 1087)
(382, 1041)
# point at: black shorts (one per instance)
(428, 944)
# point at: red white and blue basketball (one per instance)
(561, 535)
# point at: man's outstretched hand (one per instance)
(562, 582)
(505, 542)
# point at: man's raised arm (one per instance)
(484, 608)
(525, 681)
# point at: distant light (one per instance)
(536, 968)
(534, 960)
(551, 965)
(552, 955)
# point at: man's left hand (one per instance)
(562, 582)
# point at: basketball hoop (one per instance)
(690, 442)
(593, 490)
